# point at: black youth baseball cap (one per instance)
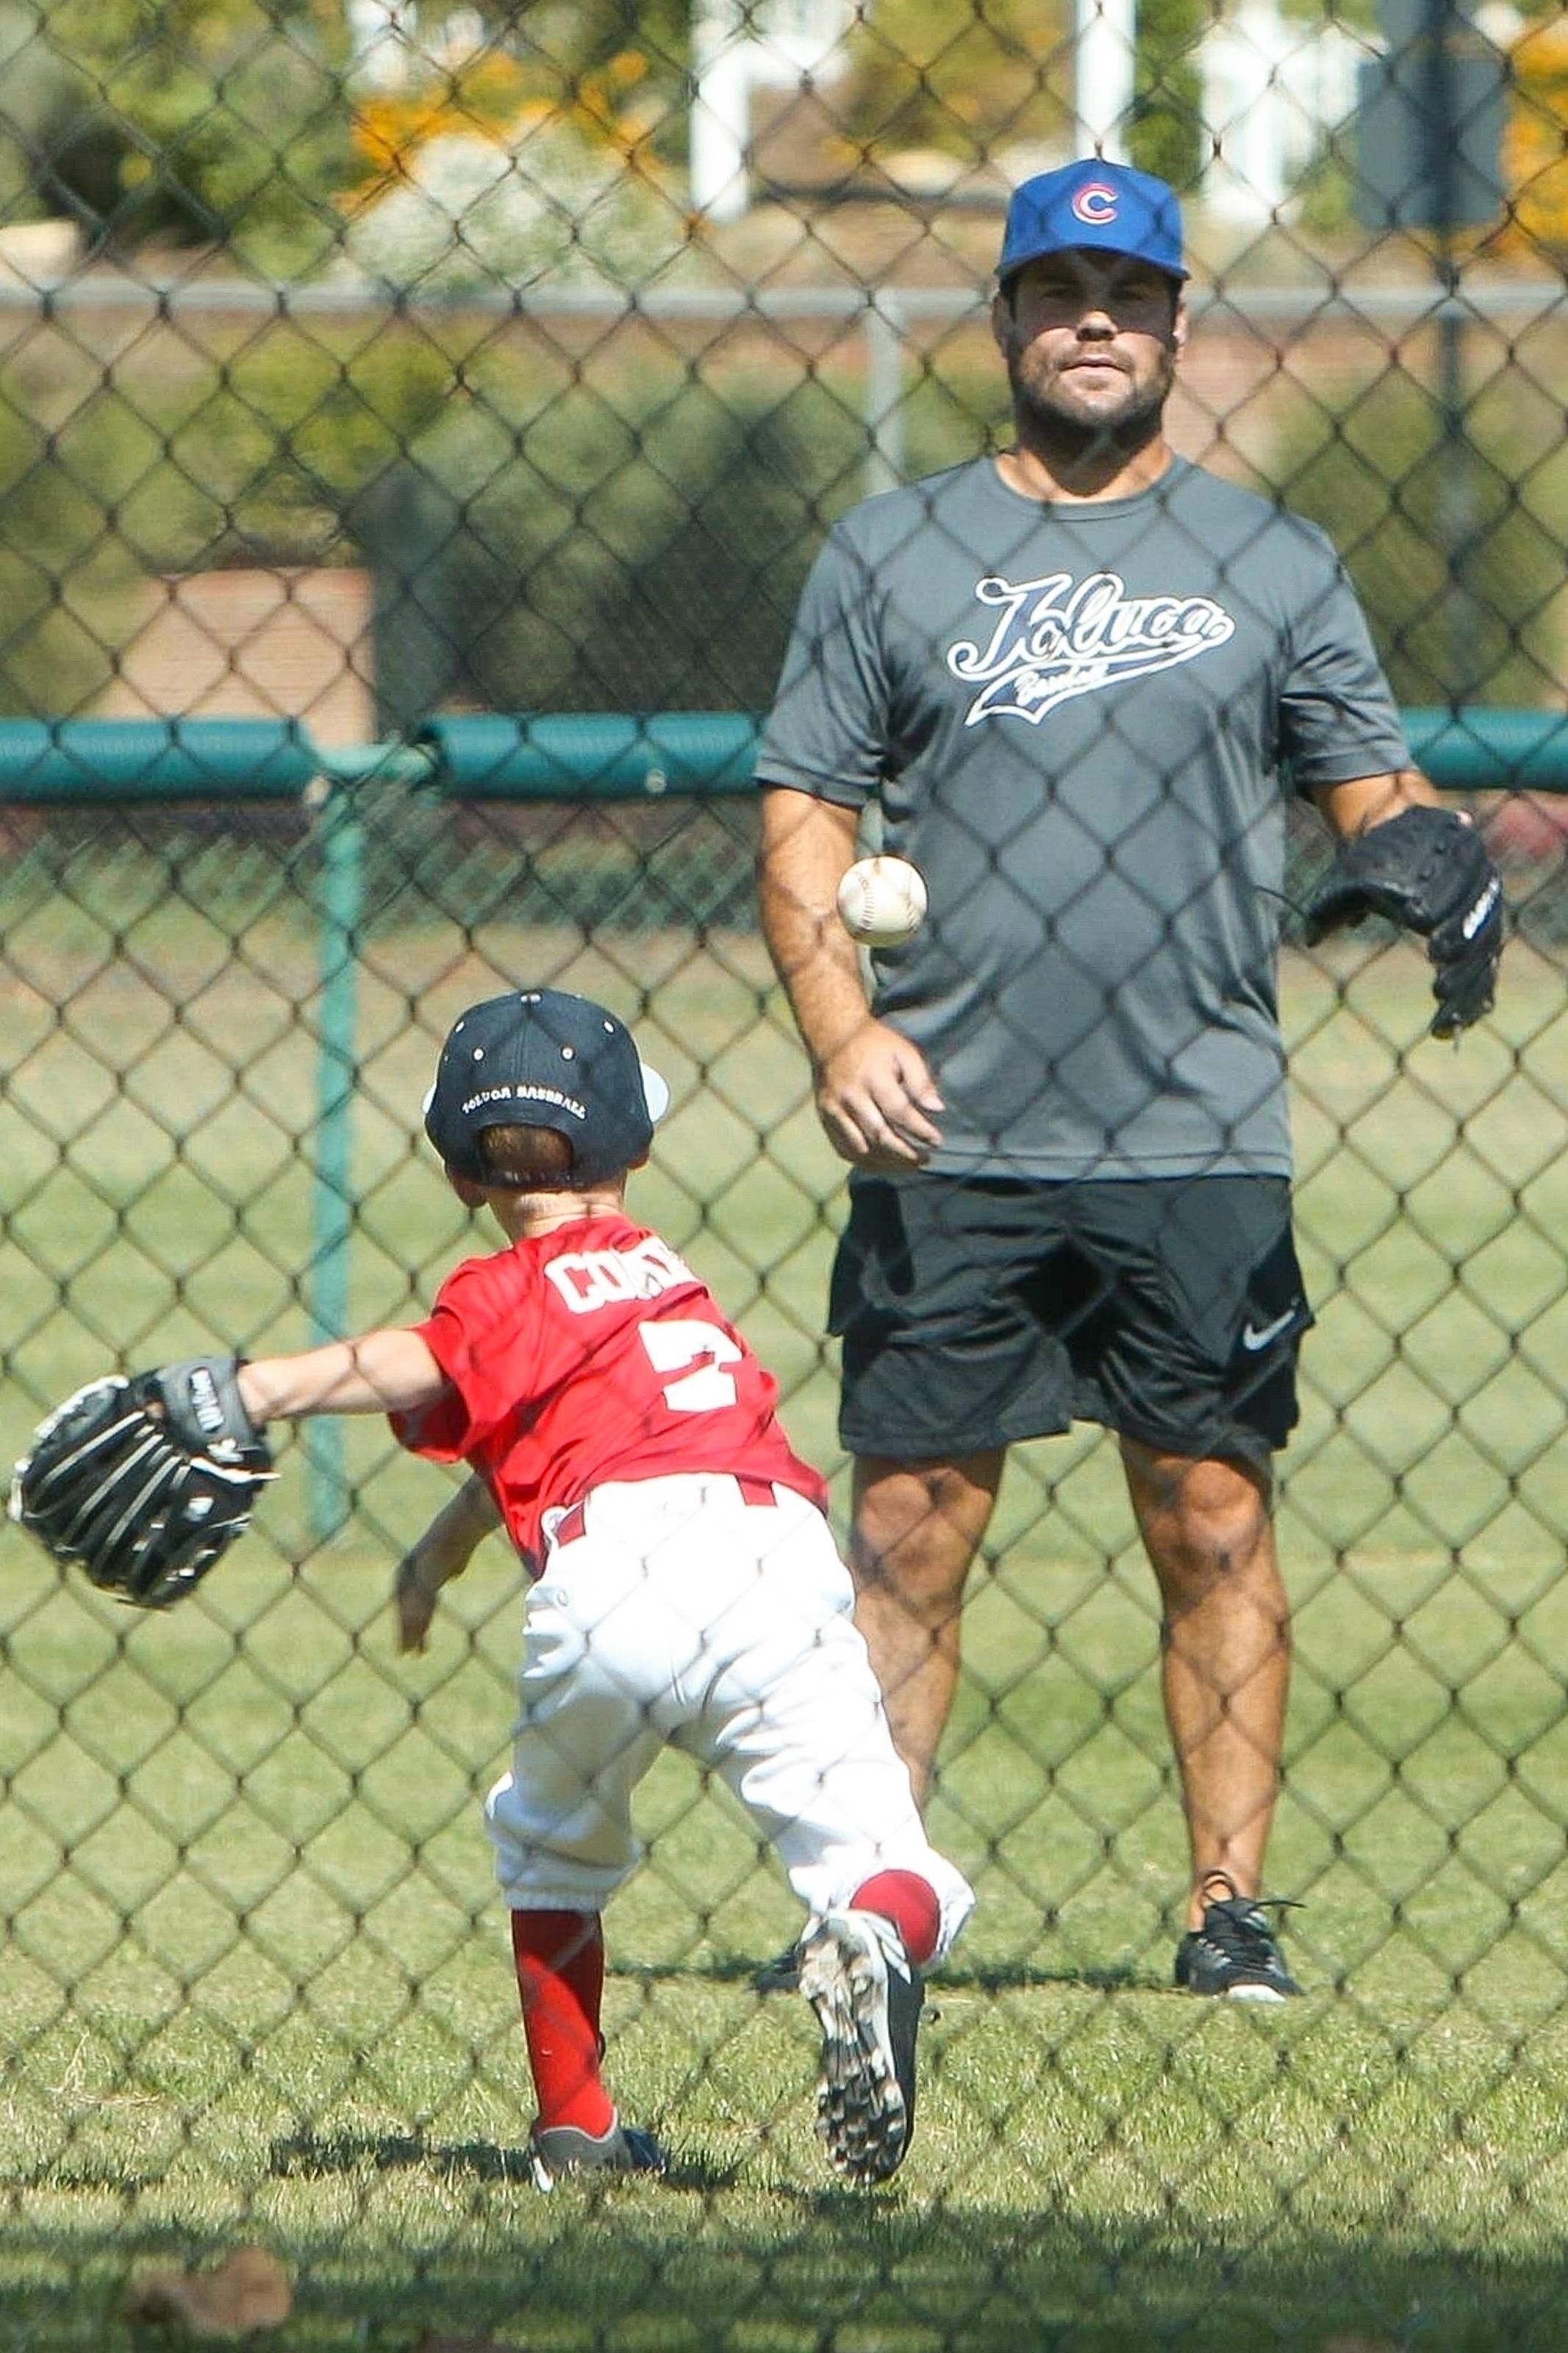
(541, 1058)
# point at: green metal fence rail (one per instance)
(575, 757)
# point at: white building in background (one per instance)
(395, 42)
(383, 42)
(1275, 89)
(1105, 56)
(739, 45)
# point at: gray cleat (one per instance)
(555, 2151)
(866, 1994)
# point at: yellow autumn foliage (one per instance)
(1535, 142)
(491, 97)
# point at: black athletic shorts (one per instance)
(975, 1312)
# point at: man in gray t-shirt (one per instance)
(1079, 684)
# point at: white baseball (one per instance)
(882, 901)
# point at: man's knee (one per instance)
(1205, 1522)
(917, 1527)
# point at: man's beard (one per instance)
(1065, 439)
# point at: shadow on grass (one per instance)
(314, 2156)
(768, 1977)
(613, 2266)
(838, 2273)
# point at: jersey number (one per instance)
(671, 1348)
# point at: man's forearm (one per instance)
(807, 845)
(1366, 801)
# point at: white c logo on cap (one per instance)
(1095, 203)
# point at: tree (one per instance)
(963, 76)
(1167, 130)
(220, 120)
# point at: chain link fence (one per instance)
(363, 366)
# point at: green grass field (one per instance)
(256, 1980)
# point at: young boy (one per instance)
(688, 1589)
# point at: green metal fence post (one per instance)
(340, 894)
(340, 900)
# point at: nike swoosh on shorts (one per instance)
(1255, 1337)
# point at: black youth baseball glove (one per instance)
(1428, 869)
(145, 1482)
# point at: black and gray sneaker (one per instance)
(1235, 1952)
(555, 2151)
(866, 1994)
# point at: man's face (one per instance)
(1090, 340)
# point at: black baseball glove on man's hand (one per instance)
(1428, 869)
(144, 1483)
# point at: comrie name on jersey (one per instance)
(590, 1278)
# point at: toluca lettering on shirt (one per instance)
(1056, 639)
(590, 1278)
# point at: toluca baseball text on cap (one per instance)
(544, 1058)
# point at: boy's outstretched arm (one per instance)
(443, 1552)
(381, 1372)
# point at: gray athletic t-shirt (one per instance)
(1081, 721)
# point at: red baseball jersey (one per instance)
(588, 1354)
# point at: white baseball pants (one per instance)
(683, 1614)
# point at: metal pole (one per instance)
(341, 839)
(884, 411)
(718, 117)
(1455, 491)
(1105, 52)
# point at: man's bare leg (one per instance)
(917, 1527)
(1209, 1537)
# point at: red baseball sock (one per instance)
(561, 1978)
(910, 1903)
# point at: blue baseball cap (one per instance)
(1108, 205)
